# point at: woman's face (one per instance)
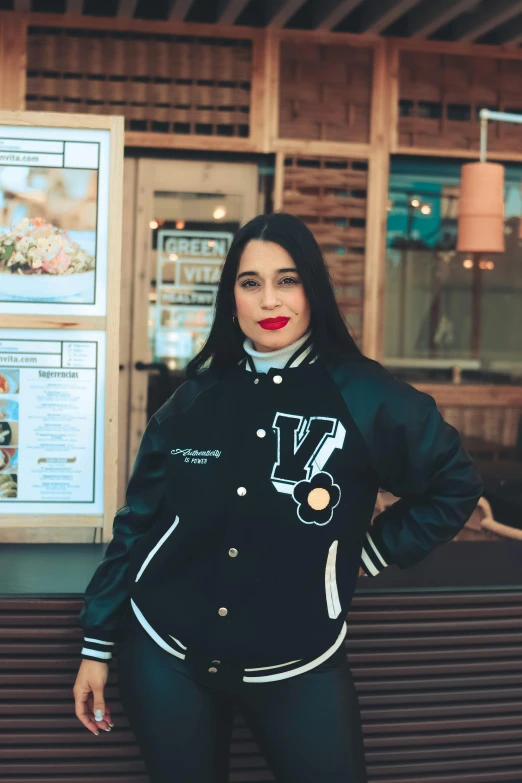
(271, 305)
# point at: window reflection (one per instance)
(443, 309)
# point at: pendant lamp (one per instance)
(481, 208)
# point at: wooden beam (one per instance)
(95, 322)
(127, 8)
(230, 10)
(13, 62)
(74, 7)
(50, 520)
(480, 395)
(392, 69)
(425, 20)
(485, 51)
(332, 12)
(263, 94)
(272, 95)
(279, 181)
(380, 14)
(511, 33)
(154, 26)
(110, 467)
(452, 152)
(179, 9)
(189, 141)
(281, 11)
(477, 25)
(314, 147)
(377, 214)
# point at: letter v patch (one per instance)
(303, 448)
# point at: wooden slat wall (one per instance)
(304, 93)
(440, 91)
(325, 91)
(437, 673)
(161, 83)
(494, 424)
(330, 195)
(485, 411)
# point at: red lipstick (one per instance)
(274, 323)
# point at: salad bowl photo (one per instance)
(41, 262)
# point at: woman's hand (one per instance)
(88, 689)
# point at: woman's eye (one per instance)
(246, 284)
(289, 280)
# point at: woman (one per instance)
(233, 564)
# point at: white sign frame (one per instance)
(38, 358)
(72, 149)
(68, 319)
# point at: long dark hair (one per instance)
(224, 345)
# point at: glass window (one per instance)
(178, 332)
(443, 309)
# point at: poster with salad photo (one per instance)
(54, 186)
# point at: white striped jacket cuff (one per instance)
(372, 561)
(97, 649)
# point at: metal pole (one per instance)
(483, 138)
(499, 116)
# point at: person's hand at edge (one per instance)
(90, 706)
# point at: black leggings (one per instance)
(307, 726)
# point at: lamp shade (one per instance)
(481, 208)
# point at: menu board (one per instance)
(189, 268)
(54, 207)
(52, 385)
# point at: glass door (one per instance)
(186, 215)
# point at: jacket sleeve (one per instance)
(106, 598)
(419, 458)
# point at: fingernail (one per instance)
(98, 715)
(106, 729)
(111, 725)
(96, 733)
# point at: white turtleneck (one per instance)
(264, 360)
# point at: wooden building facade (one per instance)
(435, 650)
(332, 108)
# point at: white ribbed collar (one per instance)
(278, 359)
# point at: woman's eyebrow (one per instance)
(256, 274)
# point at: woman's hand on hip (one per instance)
(90, 705)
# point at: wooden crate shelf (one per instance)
(177, 84)
(441, 94)
(325, 91)
(329, 194)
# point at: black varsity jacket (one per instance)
(248, 511)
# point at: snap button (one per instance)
(212, 670)
(261, 433)
(277, 379)
(222, 612)
(256, 380)
(241, 491)
(233, 552)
